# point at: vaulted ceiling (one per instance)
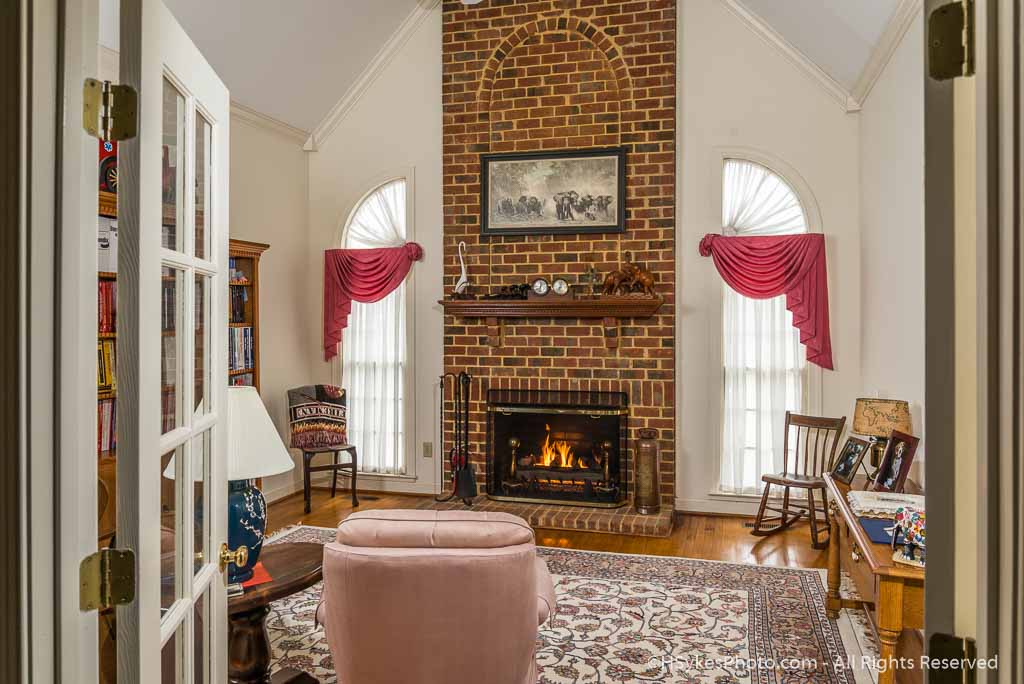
(837, 35)
(290, 60)
(294, 60)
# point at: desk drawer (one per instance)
(852, 561)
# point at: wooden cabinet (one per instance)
(244, 312)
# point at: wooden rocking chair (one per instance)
(809, 463)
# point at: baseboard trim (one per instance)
(379, 486)
(741, 508)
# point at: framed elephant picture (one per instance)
(554, 192)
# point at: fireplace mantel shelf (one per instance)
(554, 307)
(608, 309)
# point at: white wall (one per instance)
(736, 91)
(393, 128)
(268, 204)
(892, 233)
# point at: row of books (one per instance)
(243, 379)
(107, 306)
(239, 297)
(106, 378)
(106, 425)
(240, 351)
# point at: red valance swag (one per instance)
(363, 275)
(768, 266)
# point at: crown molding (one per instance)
(797, 58)
(902, 19)
(239, 112)
(337, 113)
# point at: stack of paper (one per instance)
(881, 504)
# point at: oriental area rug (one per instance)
(631, 618)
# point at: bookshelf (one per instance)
(106, 384)
(106, 393)
(244, 312)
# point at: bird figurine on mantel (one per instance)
(463, 282)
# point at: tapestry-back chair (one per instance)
(318, 422)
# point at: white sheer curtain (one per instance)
(374, 344)
(764, 370)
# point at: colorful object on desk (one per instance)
(909, 537)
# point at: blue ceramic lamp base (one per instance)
(247, 522)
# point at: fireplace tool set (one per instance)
(463, 472)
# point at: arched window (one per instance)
(374, 352)
(764, 365)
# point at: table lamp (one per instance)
(255, 450)
(876, 418)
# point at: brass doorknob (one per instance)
(239, 556)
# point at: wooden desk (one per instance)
(894, 593)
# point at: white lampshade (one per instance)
(255, 448)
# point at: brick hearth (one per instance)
(559, 75)
(622, 520)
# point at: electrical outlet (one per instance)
(428, 450)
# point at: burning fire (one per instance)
(557, 453)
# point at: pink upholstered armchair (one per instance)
(432, 597)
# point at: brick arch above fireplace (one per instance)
(534, 106)
(561, 24)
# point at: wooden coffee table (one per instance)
(293, 567)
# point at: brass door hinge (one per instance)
(109, 111)
(959, 653)
(106, 579)
(951, 41)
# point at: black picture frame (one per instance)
(848, 461)
(529, 219)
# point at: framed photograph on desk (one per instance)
(849, 460)
(895, 466)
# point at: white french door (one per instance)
(171, 354)
(172, 486)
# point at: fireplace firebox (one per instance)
(557, 447)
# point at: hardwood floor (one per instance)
(708, 537)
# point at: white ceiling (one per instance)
(294, 60)
(837, 35)
(291, 60)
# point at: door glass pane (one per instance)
(200, 459)
(202, 345)
(204, 134)
(171, 316)
(173, 194)
(171, 659)
(201, 628)
(170, 526)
